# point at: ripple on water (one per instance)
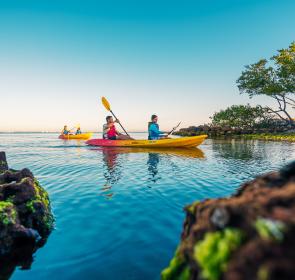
(119, 213)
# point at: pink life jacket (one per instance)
(112, 132)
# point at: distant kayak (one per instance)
(182, 142)
(83, 136)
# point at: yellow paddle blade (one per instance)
(105, 103)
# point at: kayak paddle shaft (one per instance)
(119, 123)
(174, 128)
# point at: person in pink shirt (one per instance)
(110, 132)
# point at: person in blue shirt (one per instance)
(78, 131)
(65, 131)
(154, 131)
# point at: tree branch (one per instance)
(284, 100)
(290, 99)
(286, 113)
(277, 113)
(279, 102)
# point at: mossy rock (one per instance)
(8, 213)
(26, 218)
(250, 235)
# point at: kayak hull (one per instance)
(182, 142)
(83, 136)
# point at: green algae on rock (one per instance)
(250, 235)
(177, 268)
(26, 219)
(213, 253)
(270, 229)
(7, 213)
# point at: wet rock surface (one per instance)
(25, 218)
(250, 235)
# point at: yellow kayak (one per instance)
(83, 136)
(182, 142)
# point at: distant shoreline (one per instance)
(50, 132)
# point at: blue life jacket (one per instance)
(154, 132)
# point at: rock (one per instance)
(220, 217)
(214, 131)
(3, 162)
(250, 235)
(25, 217)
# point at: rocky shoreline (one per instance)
(250, 235)
(214, 132)
(26, 219)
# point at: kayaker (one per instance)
(78, 131)
(65, 131)
(110, 132)
(153, 128)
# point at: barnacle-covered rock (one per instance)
(26, 219)
(250, 235)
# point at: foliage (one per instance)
(275, 79)
(242, 116)
(214, 251)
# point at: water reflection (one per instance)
(112, 171)
(114, 163)
(180, 152)
(237, 149)
(153, 161)
(247, 156)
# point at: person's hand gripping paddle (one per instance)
(107, 105)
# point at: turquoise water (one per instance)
(119, 213)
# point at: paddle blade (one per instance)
(106, 103)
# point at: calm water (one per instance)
(119, 212)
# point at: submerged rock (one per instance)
(250, 235)
(25, 217)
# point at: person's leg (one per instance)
(124, 137)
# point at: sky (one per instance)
(177, 59)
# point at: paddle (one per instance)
(174, 129)
(78, 125)
(106, 104)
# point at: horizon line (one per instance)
(2, 132)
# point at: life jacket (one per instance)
(150, 137)
(149, 124)
(112, 132)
